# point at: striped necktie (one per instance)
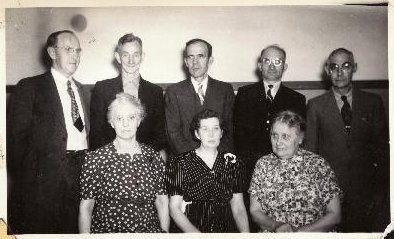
(201, 93)
(269, 95)
(74, 108)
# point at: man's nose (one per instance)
(272, 66)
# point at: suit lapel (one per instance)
(211, 88)
(84, 103)
(51, 93)
(333, 114)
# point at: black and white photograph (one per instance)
(225, 118)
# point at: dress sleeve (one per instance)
(239, 177)
(174, 176)
(329, 188)
(159, 169)
(91, 176)
(255, 184)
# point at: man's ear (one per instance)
(326, 69)
(285, 66)
(354, 67)
(117, 57)
(260, 66)
(210, 61)
(51, 52)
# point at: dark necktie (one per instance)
(74, 109)
(269, 95)
(346, 113)
(201, 93)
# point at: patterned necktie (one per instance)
(74, 109)
(346, 113)
(200, 93)
(269, 95)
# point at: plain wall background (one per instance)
(308, 34)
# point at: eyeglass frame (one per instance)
(272, 61)
(69, 50)
(340, 68)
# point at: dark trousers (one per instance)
(53, 207)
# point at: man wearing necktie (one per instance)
(255, 105)
(200, 91)
(47, 128)
(348, 127)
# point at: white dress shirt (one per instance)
(76, 140)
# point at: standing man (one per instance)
(255, 104)
(186, 98)
(151, 131)
(348, 128)
(47, 129)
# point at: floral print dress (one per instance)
(296, 190)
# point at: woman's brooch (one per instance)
(231, 157)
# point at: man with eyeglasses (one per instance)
(47, 128)
(200, 91)
(151, 131)
(255, 105)
(348, 128)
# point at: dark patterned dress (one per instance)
(296, 190)
(124, 189)
(206, 192)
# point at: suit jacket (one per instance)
(182, 103)
(354, 157)
(151, 130)
(37, 143)
(252, 116)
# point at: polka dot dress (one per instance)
(124, 189)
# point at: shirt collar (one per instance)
(60, 78)
(274, 89)
(349, 94)
(204, 83)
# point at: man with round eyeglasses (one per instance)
(255, 105)
(348, 128)
(47, 128)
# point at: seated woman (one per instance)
(293, 189)
(122, 183)
(205, 184)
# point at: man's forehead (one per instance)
(272, 52)
(133, 46)
(197, 47)
(67, 38)
(340, 57)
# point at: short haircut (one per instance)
(129, 37)
(274, 46)
(341, 50)
(195, 40)
(53, 38)
(123, 99)
(291, 119)
(204, 114)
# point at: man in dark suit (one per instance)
(186, 98)
(151, 131)
(47, 127)
(255, 104)
(348, 128)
